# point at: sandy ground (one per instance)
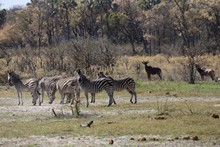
(28, 112)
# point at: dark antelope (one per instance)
(152, 70)
(205, 72)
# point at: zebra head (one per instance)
(80, 76)
(101, 75)
(13, 78)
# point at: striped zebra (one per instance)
(67, 87)
(45, 84)
(121, 84)
(30, 86)
(95, 86)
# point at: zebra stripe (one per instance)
(45, 84)
(30, 86)
(68, 86)
(95, 86)
(122, 84)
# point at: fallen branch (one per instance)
(87, 125)
(54, 112)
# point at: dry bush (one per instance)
(173, 70)
(65, 58)
(87, 53)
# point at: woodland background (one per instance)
(49, 37)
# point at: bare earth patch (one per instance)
(9, 112)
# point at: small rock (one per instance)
(110, 122)
(160, 118)
(175, 95)
(143, 139)
(176, 138)
(195, 138)
(186, 137)
(170, 139)
(111, 141)
(61, 137)
(215, 116)
(154, 139)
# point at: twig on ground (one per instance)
(54, 112)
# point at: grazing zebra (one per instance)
(30, 85)
(121, 84)
(67, 86)
(44, 85)
(95, 86)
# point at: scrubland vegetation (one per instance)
(48, 38)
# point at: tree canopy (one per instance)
(155, 26)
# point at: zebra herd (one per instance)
(71, 87)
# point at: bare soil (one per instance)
(9, 110)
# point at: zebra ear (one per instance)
(78, 71)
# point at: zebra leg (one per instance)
(111, 99)
(87, 99)
(135, 95)
(92, 97)
(114, 101)
(77, 95)
(131, 92)
(69, 97)
(21, 99)
(42, 96)
(62, 98)
(40, 102)
(131, 98)
(73, 98)
(18, 98)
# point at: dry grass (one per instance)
(172, 67)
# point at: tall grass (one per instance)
(173, 68)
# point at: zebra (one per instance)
(95, 86)
(66, 86)
(121, 84)
(30, 85)
(45, 84)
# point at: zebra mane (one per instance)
(102, 75)
(79, 72)
(14, 75)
